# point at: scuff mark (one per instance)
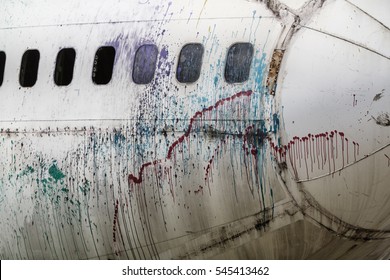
(383, 119)
(228, 236)
(378, 96)
(279, 9)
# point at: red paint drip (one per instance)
(322, 147)
(342, 145)
(211, 162)
(137, 180)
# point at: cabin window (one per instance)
(145, 64)
(2, 66)
(238, 62)
(103, 65)
(190, 63)
(63, 73)
(29, 68)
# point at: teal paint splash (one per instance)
(119, 138)
(27, 171)
(215, 81)
(56, 173)
(259, 71)
(275, 123)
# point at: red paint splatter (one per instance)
(211, 162)
(138, 179)
(320, 147)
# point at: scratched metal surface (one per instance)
(202, 170)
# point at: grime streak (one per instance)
(354, 101)
(114, 226)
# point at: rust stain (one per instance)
(273, 73)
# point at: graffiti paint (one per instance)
(321, 148)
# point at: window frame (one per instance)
(200, 64)
(67, 67)
(3, 60)
(96, 62)
(229, 81)
(25, 65)
(137, 80)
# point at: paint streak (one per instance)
(354, 103)
(321, 148)
(138, 179)
(201, 11)
(210, 164)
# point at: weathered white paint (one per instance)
(335, 77)
(67, 153)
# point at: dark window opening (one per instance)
(63, 73)
(2, 66)
(103, 65)
(145, 64)
(29, 68)
(238, 62)
(190, 63)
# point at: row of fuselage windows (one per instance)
(237, 66)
